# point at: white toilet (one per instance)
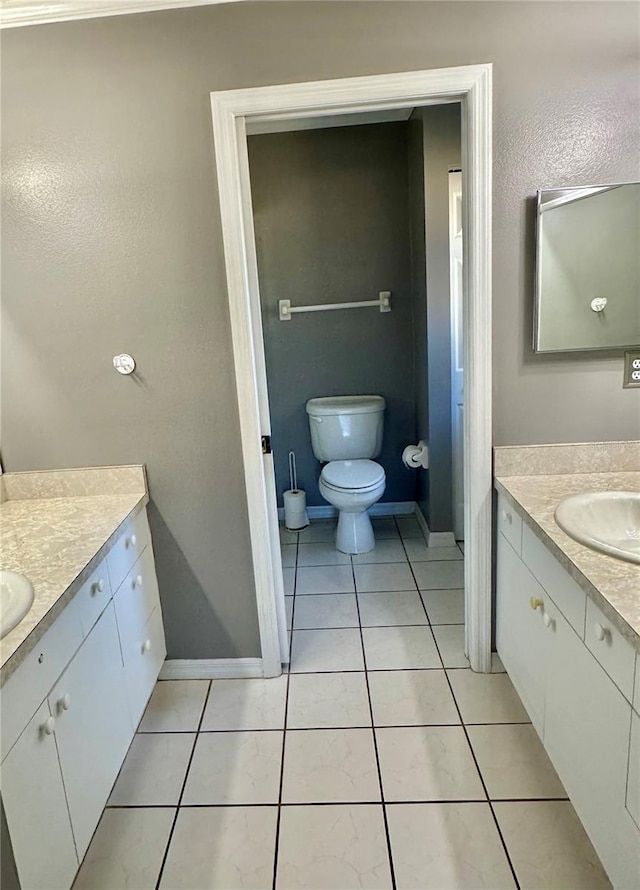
(346, 431)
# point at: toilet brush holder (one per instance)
(295, 509)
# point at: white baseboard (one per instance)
(210, 668)
(389, 508)
(434, 539)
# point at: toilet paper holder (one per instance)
(416, 456)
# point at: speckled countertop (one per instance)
(55, 528)
(613, 584)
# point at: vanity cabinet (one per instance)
(574, 673)
(88, 682)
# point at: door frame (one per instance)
(231, 110)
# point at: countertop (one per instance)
(613, 584)
(56, 535)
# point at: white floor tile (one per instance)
(326, 610)
(497, 666)
(324, 579)
(321, 531)
(450, 640)
(288, 580)
(562, 855)
(222, 848)
(393, 648)
(339, 649)
(384, 577)
(175, 706)
(513, 762)
(486, 698)
(235, 767)
(127, 849)
(417, 551)
(153, 771)
(447, 846)
(444, 606)
(408, 527)
(405, 698)
(427, 763)
(439, 575)
(384, 527)
(288, 606)
(286, 536)
(246, 704)
(288, 553)
(330, 765)
(395, 608)
(332, 848)
(327, 700)
(386, 550)
(321, 555)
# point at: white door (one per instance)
(457, 346)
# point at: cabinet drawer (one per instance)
(28, 686)
(134, 538)
(509, 523)
(633, 778)
(611, 649)
(563, 590)
(137, 596)
(93, 596)
(144, 654)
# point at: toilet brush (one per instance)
(295, 500)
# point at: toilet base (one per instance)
(354, 533)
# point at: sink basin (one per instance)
(16, 597)
(608, 521)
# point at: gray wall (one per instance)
(331, 219)
(112, 242)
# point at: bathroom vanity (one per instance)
(77, 672)
(568, 633)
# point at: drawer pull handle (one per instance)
(536, 603)
(136, 582)
(65, 702)
(601, 632)
(548, 620)
(507, 517)
(48, 726)
(146, 646)
(97, 587)
(131, 541)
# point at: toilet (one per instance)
(346, 432)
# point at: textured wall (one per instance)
(331, 221)
(112, 242)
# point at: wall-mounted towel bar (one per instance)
(383, 302)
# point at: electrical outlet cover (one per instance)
(631, 369)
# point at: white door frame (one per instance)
(471, 86)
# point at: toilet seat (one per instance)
(352, 475)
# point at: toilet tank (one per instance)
(346, 427)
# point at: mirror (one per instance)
(587, 293)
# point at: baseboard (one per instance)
(210, 668)
(388, 508)
(434, 539)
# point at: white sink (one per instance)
(16, 597)
(608, 521)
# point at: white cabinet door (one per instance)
(93, 725)
(36, 809)
(144, 652)
(520, 633)
(586, 733)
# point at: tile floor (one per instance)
(380, 760)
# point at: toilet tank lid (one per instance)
(332, 405)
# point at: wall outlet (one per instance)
(631, 369)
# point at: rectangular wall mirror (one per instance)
(587, 291)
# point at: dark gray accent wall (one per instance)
(112, 242)
(331, 220)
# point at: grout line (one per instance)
(184, 784)
(375, 748)
(337, 726)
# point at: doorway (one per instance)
(270, 106)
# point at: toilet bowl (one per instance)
(352, 486)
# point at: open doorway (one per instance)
(271, 105)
